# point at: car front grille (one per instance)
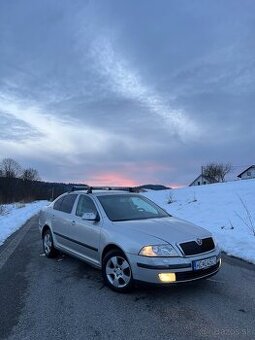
(193, 248)
(196, 274)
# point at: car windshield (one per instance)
(130, 207)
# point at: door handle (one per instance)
(73, 222)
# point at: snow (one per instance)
(13, 216)
(221, 208)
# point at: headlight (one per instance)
(160, 250)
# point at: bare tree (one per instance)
(9, 168)
(30, 174)
(217, 172)
(224, 170)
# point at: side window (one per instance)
(57, 204)
(68, 202)
(85, 205)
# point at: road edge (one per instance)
(12, 242)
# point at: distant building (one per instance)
(248, 173)
(201, 180)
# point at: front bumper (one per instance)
(148, 269)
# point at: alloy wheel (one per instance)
(47, 243)
(118, 271)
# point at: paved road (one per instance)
(64, 298)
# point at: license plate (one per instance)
(205, 263)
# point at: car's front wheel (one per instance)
(48, 246)
(117, 272)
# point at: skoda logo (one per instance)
(199, 241)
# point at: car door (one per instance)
(62, 219)
(85, 234)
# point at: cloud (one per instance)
(67, 140)
(55, 136)
(126, 81)
(144, 96)
(19, 129)
(226, 69)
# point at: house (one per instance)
(201, 180)
(248, 173)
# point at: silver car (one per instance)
(128, 237)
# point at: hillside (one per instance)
(218, 208)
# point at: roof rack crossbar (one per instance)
(130, 189)
(78, 187)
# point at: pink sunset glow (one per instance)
(132, 174)
(175, 185)
(112, 178)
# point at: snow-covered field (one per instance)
(13, 216)
(218, 208)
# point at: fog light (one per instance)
(167, 277)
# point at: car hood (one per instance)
(169, 229)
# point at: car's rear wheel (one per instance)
(48, 245)
(117, 272)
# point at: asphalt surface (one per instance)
(64, 298)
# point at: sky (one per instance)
(127, 92)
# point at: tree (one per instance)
(216, 172)
(9, 168)
(30, 174)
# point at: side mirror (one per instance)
(90, 216)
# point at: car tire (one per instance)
(48, 245)
(117, 272)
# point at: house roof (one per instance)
(207, 178)
(250, 167)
